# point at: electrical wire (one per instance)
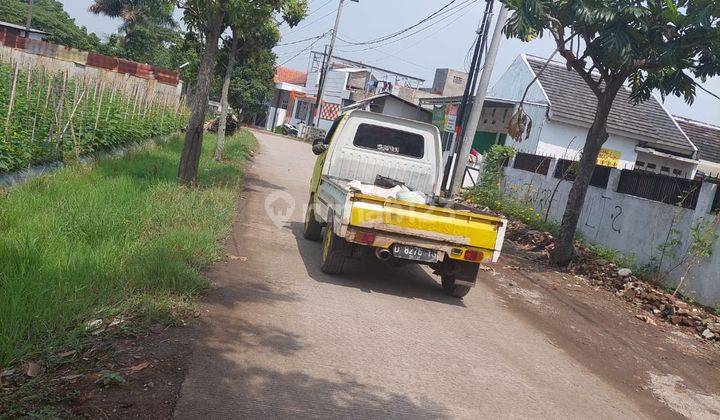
(458, 12)
(395, 55)
(309, 47)
(297, 28)
(402, 31)
(302, 40)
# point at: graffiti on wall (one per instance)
(600, 211)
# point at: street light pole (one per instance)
(326, 66)
(477, 106)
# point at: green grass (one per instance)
(118, 236)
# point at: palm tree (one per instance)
(147, 25)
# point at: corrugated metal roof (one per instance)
(21, 27)
(705, 136)
(571, 99)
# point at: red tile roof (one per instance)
(288, 75)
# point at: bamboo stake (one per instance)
(72, 114)
(76, 148)
(99, 108)
(12, 102)
(28, 79)
(112, 102)
(35, 117)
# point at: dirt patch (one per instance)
(128, 376)
(600, 331)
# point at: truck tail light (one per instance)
(365, 238)
(472, 255)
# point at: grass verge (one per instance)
(116, 237)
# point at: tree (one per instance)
(653, 45)
(252, 82)
(257, 38)
(209, 18)
(49, 16)
(147, 26)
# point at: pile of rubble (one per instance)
(656, 304)
(230, 127)
(529, 239)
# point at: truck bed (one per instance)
(444, 226)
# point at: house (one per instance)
(388, 104)
(288, 88)
(348, 82)
(706, 137)
(20, 31)
(562, 108)
(449, 82)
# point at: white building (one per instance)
(388, 104)
(348, 82)
(288, 90)
(562, 108)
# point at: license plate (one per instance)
(414, 253)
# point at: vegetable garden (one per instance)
(49, 115)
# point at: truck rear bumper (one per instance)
(385, 240)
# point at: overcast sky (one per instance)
(444, 44)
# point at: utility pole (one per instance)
(29, 18)
(477, 106)
(326, 65)
(462, 114)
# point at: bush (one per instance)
(40, 129)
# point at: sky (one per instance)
(444, 44)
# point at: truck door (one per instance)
(320, 161)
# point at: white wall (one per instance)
(567, 141)
(512, 84)
(688, 169)
(538, 114)
(632, 225)
(400, 109)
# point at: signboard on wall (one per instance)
(609, 157)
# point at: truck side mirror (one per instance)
(318, 148)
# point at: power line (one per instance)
(303, 50)
(297, 28)
(311, 13)
(401, 31)
(302, 40)
(457, 11)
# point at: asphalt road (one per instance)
(279, 339)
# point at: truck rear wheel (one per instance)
(333, 254)
(453, 289)
(312, 230)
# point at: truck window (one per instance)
(390, 140)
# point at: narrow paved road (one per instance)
(282, 340)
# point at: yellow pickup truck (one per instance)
(360, 158)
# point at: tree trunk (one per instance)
(596, 137)
(190, 158)
(224, 105)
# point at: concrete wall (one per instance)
(631, 225)
(449, 82)
(126, 83)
